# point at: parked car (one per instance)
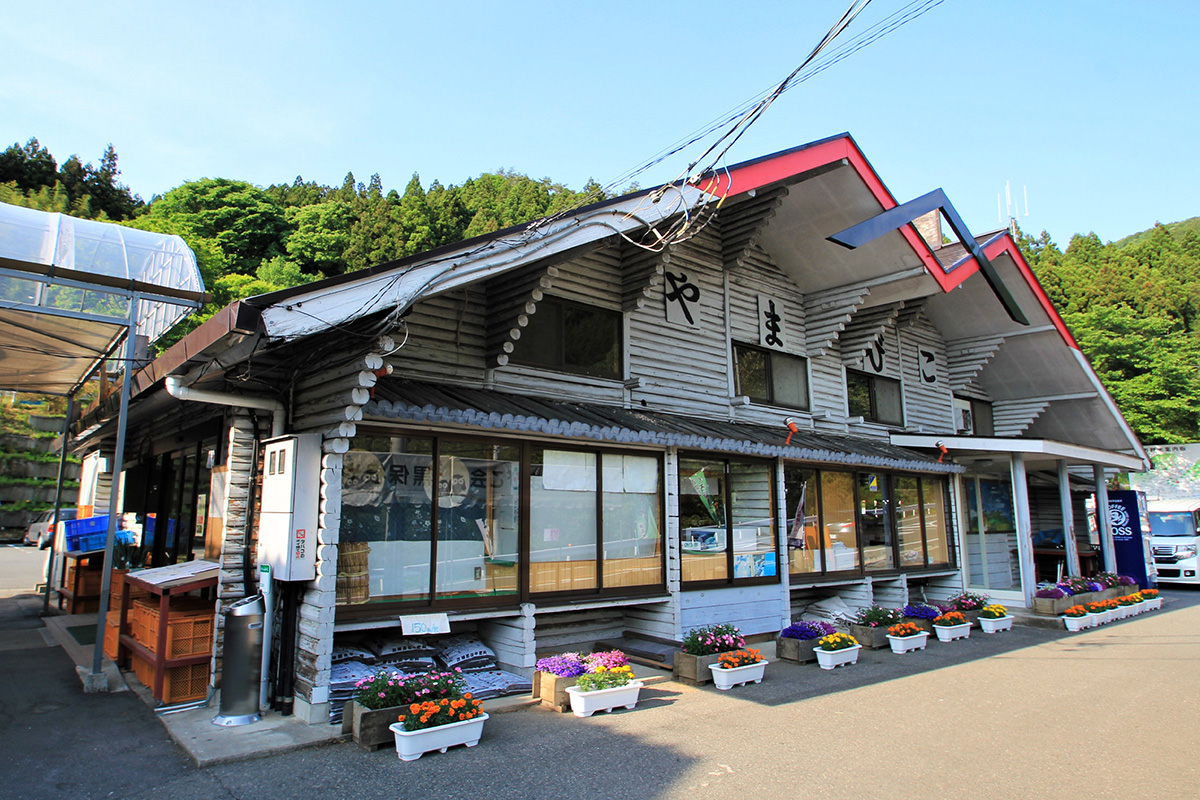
(40, 531)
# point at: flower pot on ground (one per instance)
(738, 668)
(1099, 609)
(951, 625)
(921, 615)
(604, 690)
(906, 637)
(1076, 618)
(429, 724)
(968, 604)
(836, 650)
(994, 618)
(871, 638)
(379, 700)
(701, 646)
(411, 745)
(555, 674)
(869, 625)
(1151, 599)
(796, 641)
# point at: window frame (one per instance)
(727, 496)
(872, 392)
(861, 570)
(771, 355)
(431, 601)
(559, 364)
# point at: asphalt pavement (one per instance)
(1032, 713)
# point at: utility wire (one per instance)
(692, 217)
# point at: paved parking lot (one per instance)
(1035, 713)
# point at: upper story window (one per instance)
(573, 338)
(874, 398)
(973, 417)
(766, 376)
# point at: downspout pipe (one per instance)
(181, 391)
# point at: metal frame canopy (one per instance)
(70, 288)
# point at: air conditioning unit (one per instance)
(963, 421)
(287, 523)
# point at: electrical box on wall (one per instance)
(287, 522)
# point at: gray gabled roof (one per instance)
(410, 401)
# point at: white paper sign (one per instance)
(424, 624)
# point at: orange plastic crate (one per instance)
(189, 626)
(180, 684)
(112, 629)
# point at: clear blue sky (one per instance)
(1090, 107)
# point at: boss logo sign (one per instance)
(1119, 517)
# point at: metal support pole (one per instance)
(1024, 528)
(266, 586)
(1103, 520)
(62, 466)
(117, 468)
(1068, 519)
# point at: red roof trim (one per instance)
(1004, 245)
(755, 174)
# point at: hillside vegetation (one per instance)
(1134, 308)
(1133, 305)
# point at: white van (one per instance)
(1174, 539)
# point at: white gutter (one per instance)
(178, 389)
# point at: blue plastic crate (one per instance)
(83, 534)
(90, 541)
(78, 527)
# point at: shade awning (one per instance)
(69, 289)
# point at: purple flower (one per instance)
(920, 611)
(807, 630)
(1053, 593)
(564, 665)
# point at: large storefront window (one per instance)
(726, 520)
(881, 521)
(837, 505)
(632, 542)
(805, 550)
(393, 492)
(876, 526)
(937, 525)
(594, 521)
(991, 541)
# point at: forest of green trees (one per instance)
(1133, 305)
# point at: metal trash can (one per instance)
(242, 663)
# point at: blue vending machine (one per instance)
(1131, 537)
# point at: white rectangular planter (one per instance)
(906, 644)
(584, 704)
(948, 633)
(1153, 604)
(1077, 623)
(831, 659)
(411, 745)
(728, 677)
(996, 625)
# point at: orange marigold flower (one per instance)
(414, 708)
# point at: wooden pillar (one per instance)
(1068, 519)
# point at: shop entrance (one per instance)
(990, 550)
(171, 491)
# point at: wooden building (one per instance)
(683, 406)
